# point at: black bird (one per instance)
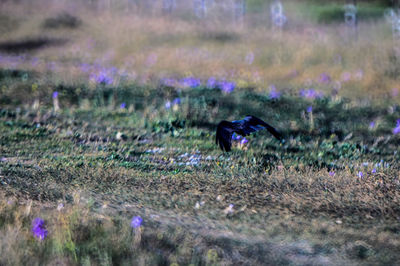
(242, 127)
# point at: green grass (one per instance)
(287, 208)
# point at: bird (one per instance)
(244, 127)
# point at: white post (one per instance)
(169, 6)
(278, 17)
(200, 8)
(350, 17)
(239, 10)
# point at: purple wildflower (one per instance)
(123, 105)
(309, 109)
(243, 141)
(274, 93)
(38, 229)
(396, 130)
(103, 78)
(190, 82)
(211, 83)
(136, 222)
(331, 173)
(176, 101)
(310, 94)
(373, 171)
(324, 78)
(168, 82)
(372, 125)
(360, 174)
(167, 105)
(227, 86)
(55, 94)
(236, 136)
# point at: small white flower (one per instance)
(229, 209)
(60, 207)
(119, 136)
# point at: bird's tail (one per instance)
(273, 131)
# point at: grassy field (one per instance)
(106, 116)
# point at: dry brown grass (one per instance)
(293, 58)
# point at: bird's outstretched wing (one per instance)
(252, 124)
(225, 131)
(242, 127)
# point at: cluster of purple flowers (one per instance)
(190, 82)
(274, 93)
(169, 82)
(372, 125)
(176, 101)
(99, 74)
(225, 86)
(311, 94)
(396, 130)
(360, 174)
(136, 221)
(237, 137)
(39, 229)
(104, 76)
(12, 61)
(211, 82)
(324, 78)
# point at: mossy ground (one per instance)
(164, 166)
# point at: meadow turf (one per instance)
(106, 116)
(301, 201)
